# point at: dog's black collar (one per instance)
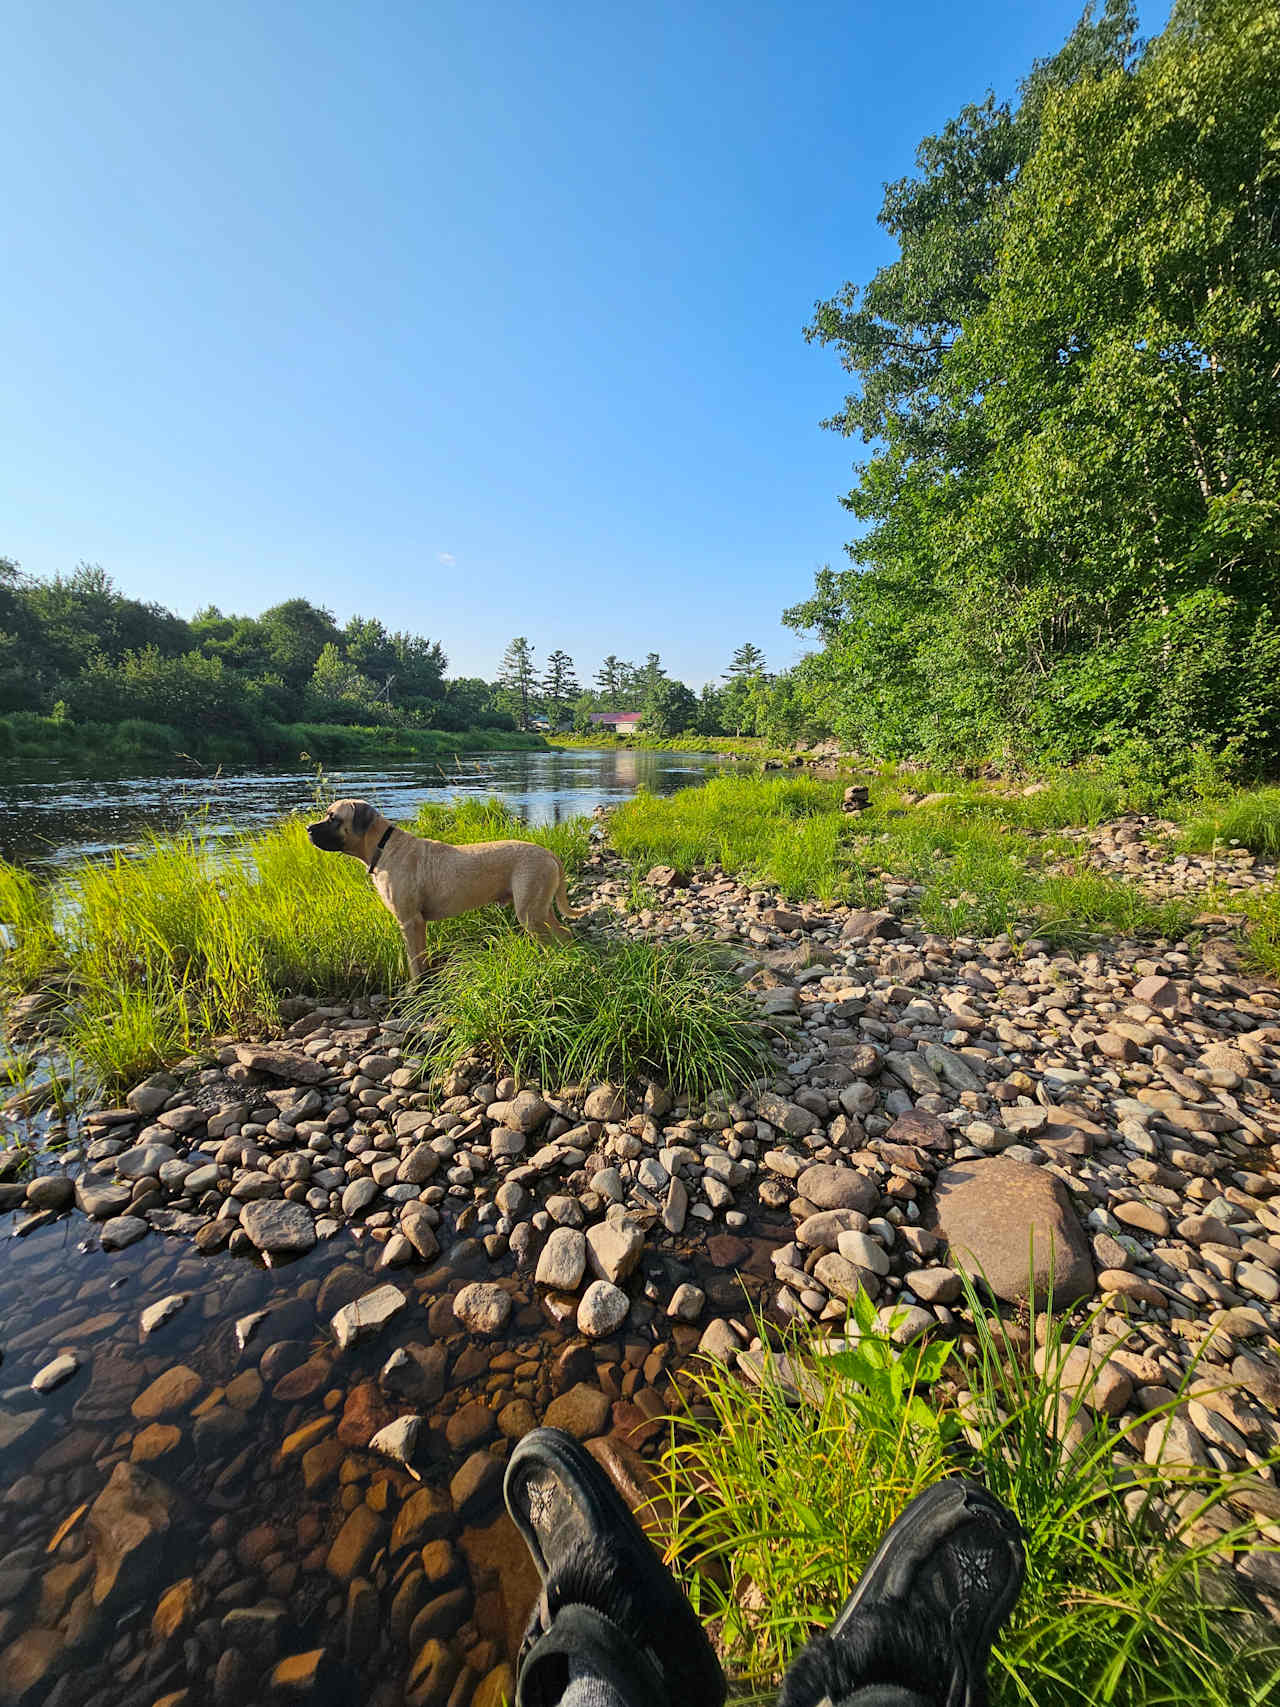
(385, 838)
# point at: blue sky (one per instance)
(482, 318)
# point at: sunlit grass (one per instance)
(1250, 819)
(1129, 1595)
(589, 1011)
(182, 939)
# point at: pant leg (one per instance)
(884, 1657)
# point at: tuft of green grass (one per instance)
(570, 1012)
(1249, 819)
(1072, 905)
(1130, 1595)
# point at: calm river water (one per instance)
(53, 819)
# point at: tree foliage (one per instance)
(1068, 384)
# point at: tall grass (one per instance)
(185, 938)
(1249, 819)
(583, 1011)
(1129, 1595)
(783, 831)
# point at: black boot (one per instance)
(920, 1624)
(608, 1603)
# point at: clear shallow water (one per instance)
(54, 819)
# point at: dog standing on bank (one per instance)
(418, 879)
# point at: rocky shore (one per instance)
(233, 1479)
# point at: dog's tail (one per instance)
(562, 899)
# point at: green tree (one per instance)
(610, 680)
(339, 692)
(669, 707)
(294, 634)
(518, 680)
(1068, 383)
(710, 712)
(748, 660)
(559, 686)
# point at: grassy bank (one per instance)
(979, 857)
(26, 738)
(155, 953)
(728, 746)
(1130, 1595)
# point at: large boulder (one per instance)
(1012, 1225)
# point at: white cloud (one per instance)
(447, 558)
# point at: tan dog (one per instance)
(418, 879)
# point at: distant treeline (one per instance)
(1069, 384)
(77, 653)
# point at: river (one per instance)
(53, 819)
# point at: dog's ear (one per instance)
(363, 816)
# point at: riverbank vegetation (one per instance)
(777, 1493)
(87, 671)
(982, 861)
(154, 953)
(1066, 381)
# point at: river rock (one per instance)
(603, 1309)
(482, 1308)
(121, 1231)
(367, 1316)
(50, 1191)
(279, 1227)
(102, 1198)
(355, 1544)
(29, 1665)
(290, 1065)
(399, 1439)
(828, 1187)
(1010, 1223)
(127, 1527)
(157, 1314)
(525, 1112)
(563, 1260)
(55, 1373)
(604, 1102)
(614, 1247)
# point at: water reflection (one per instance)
(51, 820)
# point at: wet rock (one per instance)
(54, 1373)
(157, 1314)
(477, 1484)
(279, 1227)
(29, 1666)
(426, 1516)
(50, 1191)
(581, 1412)
(127, 1527)
(482, 1308)
(120, 1231)
(101, 1198)
(364, 1413)
(415, 1372)
(301, 1674)
(602, 1309)
(169, 1393)
(1012, 1225)
(176, 1610)
(355, 1544)
(143, 1160)
(367, 1316)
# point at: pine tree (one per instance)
(559, 686)
(518, 681)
